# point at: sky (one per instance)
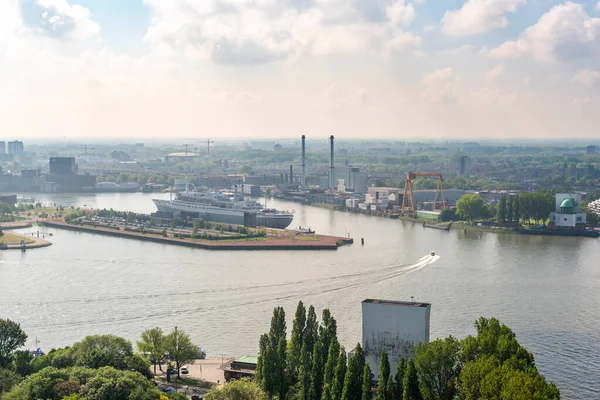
(394, 69)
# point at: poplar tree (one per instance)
(327, 332)
(304, 374)
(411, 382)
(339, 375)
(311, 332)
(367, 394)
(294, 347)
(329, 375)
(517, 210)
(384, 374)
(399, 387)
(501, 213)
(389, 388)
(510, 208)
(353, 381)
(316, 376)
(263, 344)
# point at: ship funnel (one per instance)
(303, 166)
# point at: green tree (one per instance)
(501, 211)
(339, 375)
(317, 371)
(243, 389)
(353, 381)
(389, 388)
(399, 378)
(153, 345)
(263, 344)
(516, 209)
(278, 328)
(411, 382)
(11, 338)
(195, 227)
(367, 393)
(311, 331)
(295, 343)
(180, 348)
(473, 374)
(327, 332)
(438, 368)
(329, 375)
(8, 379)
(470, 207)
(282, 384)
(22, 362)
(303, 385)
(384, 373)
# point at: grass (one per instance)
(308, 238)
(189, 382)
(10, 238)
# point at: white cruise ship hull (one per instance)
(222, 215)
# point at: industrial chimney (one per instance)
(291, 174)
(303, 166)
(331, 167)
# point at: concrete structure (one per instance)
(16, 148)
(2, 147)
(63, 166)
(251, 190)
(354, 180)
(394, 326)
(590, 150)
(464, 166)
(303, 166)
(331, 165)
(567, 214)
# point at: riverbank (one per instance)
(288, 242)
(13, 241)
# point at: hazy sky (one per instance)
(276, 68)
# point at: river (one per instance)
(547, 289)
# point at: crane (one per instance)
(186, 148)
(85, 147)
(208, 142)
(408, 189)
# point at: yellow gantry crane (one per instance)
(408, 190)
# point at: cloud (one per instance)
(587, 77)
(566, 32)
(245, 32)
(478, 16)
(428, 28)
(58, 19)
(337, 96)
(438, 75)
(598, 6)
(496, 72)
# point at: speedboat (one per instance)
(432, 253)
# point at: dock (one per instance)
(319, 242)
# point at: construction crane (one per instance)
(85, 147)
(208, 142)
(408, 190)
(186, 148)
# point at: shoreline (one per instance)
(323, 243)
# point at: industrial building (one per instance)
(394, 326)
(464, 166)
(63, 166)
(2, 147)
(422, 197)
(354, 180)
(567, 214)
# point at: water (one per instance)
(545, 288)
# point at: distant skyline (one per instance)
(389, 69)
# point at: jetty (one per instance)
(290, 241)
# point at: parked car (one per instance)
(184, 371)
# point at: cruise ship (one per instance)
(223, 208)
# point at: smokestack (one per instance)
(235, 194)
(303, 166)
(291, 174)
(331, 167)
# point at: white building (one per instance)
(568, 213)
(394, 326)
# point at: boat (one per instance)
(224, 208)
(432, 253)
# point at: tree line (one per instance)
(99, 367)
(525, 206)
(313, 365)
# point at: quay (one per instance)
(320, 242)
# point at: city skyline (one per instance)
(389, 69)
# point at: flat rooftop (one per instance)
(397, 303)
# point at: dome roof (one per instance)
(567, 203)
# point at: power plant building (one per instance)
(63, 166)
(394, 326)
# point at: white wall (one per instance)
(395, 328)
